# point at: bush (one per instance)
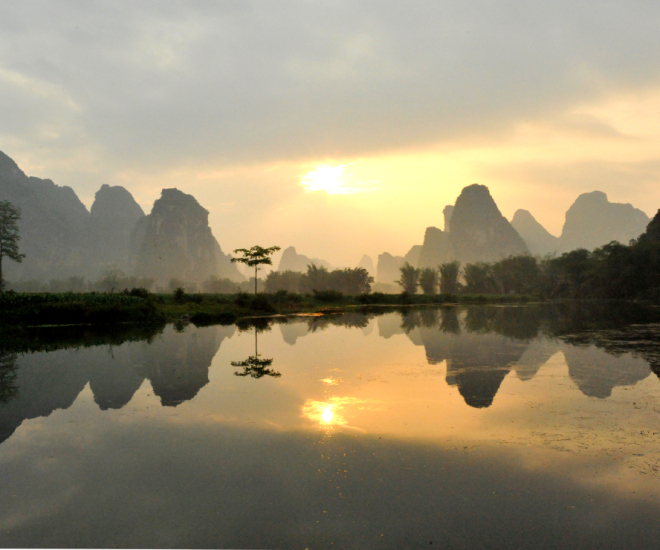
(243, 299)
(137, 292)
(261, 303)
(179, 295)
(377, 298)
(331, 296)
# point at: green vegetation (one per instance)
(9, 237)
(428, 280)
(70, 308)
(614, 271)
(449, 273)
(409, 280)
(346, 281)
(254, 257)
(141, 307)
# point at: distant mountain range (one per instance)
(292, 261)
(61, 238)
(476, 230)
(591, 221)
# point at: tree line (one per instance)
(347, 281)
(613, 271)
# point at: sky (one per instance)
(340, 128)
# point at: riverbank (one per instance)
(39, 309)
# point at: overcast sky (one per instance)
(236, 102)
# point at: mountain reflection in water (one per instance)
(175, 363)
(480, 345)
(481, 426)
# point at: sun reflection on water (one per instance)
(329, 413)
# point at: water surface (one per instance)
(479, 427)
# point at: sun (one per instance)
(327, 178)
(328, 414)
(333, 180)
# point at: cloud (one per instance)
(233, 101)
(169, 83)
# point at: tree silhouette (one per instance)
(449, 277)
(8, 388)
(409, 280)
(255, 367)
(254, 257)
(428, 280)
(9, 237)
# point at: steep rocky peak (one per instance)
(523, 216)
(537, 237)
(594, 197)
(9, 167)
(478, 231)
(292, 261)
(115, 202)
(475, 199)
(593, 221)
(177, 207)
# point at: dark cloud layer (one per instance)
(174, 82)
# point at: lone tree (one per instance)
(9, 237)
(254, 257)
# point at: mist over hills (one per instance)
(176, 240)
(61, 238)
(476, 231)
(537, 237)
(113, 218)
(591, 221)
(292, 261)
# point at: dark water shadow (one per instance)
(221, 487)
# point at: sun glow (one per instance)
(328, 414)
(332, 180)
(327, 178)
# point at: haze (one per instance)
(339, 128)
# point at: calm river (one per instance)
(476, 427)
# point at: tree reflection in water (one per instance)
(8, 388)
(253, 366)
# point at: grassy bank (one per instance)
(140, 307)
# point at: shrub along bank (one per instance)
(141, 307)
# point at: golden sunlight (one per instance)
(327, 178)
(332, 180)
(328, 414)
